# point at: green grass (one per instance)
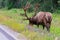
(12, 19)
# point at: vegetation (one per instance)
(44, 5)
(13, 19)
(10, 11)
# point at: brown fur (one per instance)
(42, 18)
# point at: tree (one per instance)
(44, 5)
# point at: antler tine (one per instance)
(36, 8)
(25, 9)
(27, 5)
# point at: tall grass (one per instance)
(13, 19)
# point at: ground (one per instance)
(13, 20)
(8, 34)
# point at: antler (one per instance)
(25, 9)
(36, 8)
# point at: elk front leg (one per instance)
(38, 26)
(43, 27)
(48, 27)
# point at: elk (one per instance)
(41, 18)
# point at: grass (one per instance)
(12, 19)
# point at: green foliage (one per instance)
(13, 19)
(45, 5)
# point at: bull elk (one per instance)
(41, 18)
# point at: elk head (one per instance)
(31, 19)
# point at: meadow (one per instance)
(14, 20)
